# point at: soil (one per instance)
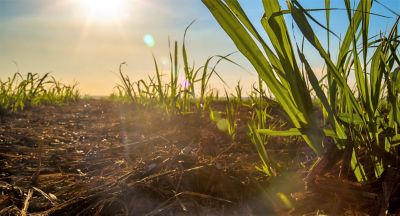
(97, 157)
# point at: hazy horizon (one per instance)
(79, 40)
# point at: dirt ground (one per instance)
(96, 157)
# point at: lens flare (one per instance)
(164, 61)
(222, 124)
(149, 40)
(185, 84)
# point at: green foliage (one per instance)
(238, 90)
(175, 96)
(354, 120)
(259, 140)
(227, 121)
(232, 105)
(18, 92)
(280, 73)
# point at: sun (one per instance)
(102, 10)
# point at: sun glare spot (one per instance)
(149, 40)
(165, 60)
(222, 124)
(185, 84)
(103, 10)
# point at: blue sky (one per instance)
(62, 37)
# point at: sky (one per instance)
(86, 40)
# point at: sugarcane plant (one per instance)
(259, 120)
(232, 105)
(18, 91)
(176, 96)
(362, 123)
